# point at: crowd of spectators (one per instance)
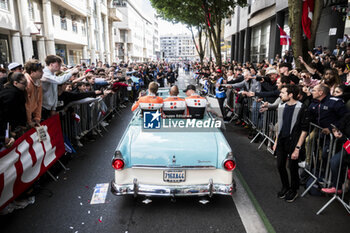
(323, 85)
(32, 92)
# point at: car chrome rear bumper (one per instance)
(172, 190)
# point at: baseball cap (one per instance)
(14, 65)
(271, 71)
(218, 71)
(88, 70)
(190, 87)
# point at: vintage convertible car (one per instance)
(185, 162)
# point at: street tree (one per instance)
(185, 12)
(300, 43)
(203, 14)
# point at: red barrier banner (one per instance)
(28, 159)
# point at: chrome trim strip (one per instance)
(176, 190)
(166, 167)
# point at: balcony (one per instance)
(115, 15)
(76, 6)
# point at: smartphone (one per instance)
(334, 127)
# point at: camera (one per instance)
(259, 78)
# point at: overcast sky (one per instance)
(164, 26)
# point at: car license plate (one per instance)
(174, 176)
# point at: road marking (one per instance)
(252, 216)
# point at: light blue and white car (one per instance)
(156, 162)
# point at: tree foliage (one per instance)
(300, 44)
(203, 14)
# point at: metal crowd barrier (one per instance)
(319, 150)
(92, 112)
(264, 123)
(339, 196)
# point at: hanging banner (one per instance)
(29, 158)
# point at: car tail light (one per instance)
(118, 164)
(229, 165)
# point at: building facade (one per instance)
(76, 30)
(178, 47)
(253, 34)
(137, 36)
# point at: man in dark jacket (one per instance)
(269, 91)
(326, 110)
(293, 124)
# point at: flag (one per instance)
(28, 159)
(68, 146)
(306, 18)
(285, 39)
(76, 117)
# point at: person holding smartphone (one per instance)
(343, 135)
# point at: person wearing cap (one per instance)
(15, 67)
(50, 82)
(220, 92)
(269, 91)
(33, 74)
(150, 101)
(196, 104)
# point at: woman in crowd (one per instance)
(12, 103)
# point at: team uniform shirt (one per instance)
(174, 106)
(196, 105)
(149, 102)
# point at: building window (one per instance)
(31, 10)
(260, 42)
(4, 4)
(4, 50)
(74, 57)
(74, 24)
(97, 40)
(63, 20)
(83, 27)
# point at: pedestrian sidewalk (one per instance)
(258, 170)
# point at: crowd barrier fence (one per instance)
(320, 148)
(91, 111)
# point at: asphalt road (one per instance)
(69, 209)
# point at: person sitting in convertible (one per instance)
(150, 102)
(196, 104)
(174, 106)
